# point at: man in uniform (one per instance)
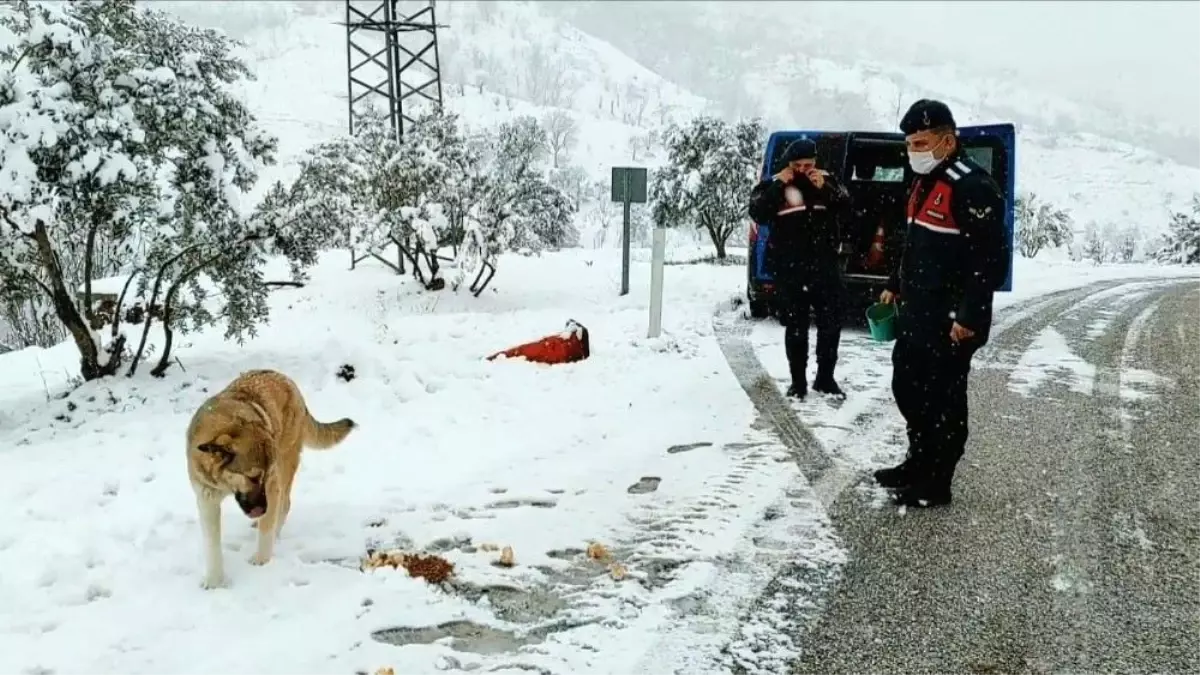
(803, 205)
(955, 256)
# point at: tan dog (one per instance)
(246, 441)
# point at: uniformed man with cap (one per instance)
(955, 256)
(804, 205)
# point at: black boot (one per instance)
(927, 491)
(798, 388)
(825, 384)
(896, 477)
(922, 496)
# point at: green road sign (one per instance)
(629, 184)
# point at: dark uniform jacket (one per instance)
(805, 231)
(955, 253)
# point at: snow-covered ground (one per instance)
(100, 551)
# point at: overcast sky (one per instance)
(1143, 55)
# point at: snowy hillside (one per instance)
(507, 59)
(497, 58)
(491, 53)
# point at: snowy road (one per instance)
(1074, 539)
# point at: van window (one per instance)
(982, 155)
(877, 160)
(878, 174)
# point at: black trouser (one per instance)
(929, 381)
(821, 294)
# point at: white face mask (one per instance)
(922, 162)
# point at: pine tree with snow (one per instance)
(1041, 225)
(118, 130)
(1182, 242)
(711, 167)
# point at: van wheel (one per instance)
(759, 309)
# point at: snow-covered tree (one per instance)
(333, 185)
(1094, 247)
(206, 267)
(547, 77)
(635, 100)
(562, 134)
(1127, 245)
(1040, 224)
(1182, 242)
(711, 167)
(520, 148)
(429, 181)
(639, 145)
(513, 206)
(572, 180)
(118, 131)
(377, 190)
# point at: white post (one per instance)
(658, 255)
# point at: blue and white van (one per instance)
(874, 168)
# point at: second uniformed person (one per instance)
(803, 204)
(954, 258)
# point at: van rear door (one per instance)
(994, 147)
(877, 176)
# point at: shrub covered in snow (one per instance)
(1182, 242)
(1040, 225)
(433, 189)
(513, 203)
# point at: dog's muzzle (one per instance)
(254, 504)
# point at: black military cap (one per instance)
(801, 148)
(926, 114)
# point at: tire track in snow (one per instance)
(1085, 484)
(733, 338)
(789, 548)
(1075, 491)
(762, 535)
(788, 588)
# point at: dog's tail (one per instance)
(322, 436)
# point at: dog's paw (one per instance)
(212, 582)
(260, 558)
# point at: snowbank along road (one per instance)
(1074, 539)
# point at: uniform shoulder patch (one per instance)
(979, 212)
